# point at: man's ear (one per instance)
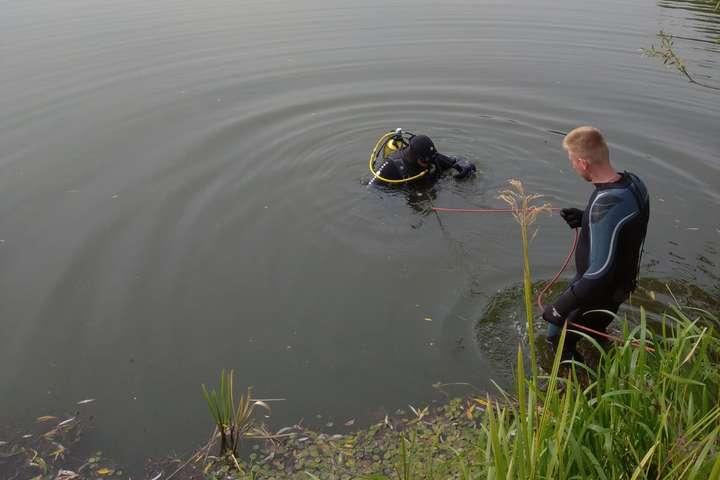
(583, 164)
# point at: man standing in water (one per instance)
(612, 234)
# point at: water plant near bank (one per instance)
(233, 420)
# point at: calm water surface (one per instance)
(182, 190)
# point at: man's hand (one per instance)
(464, 168)
(573, 216)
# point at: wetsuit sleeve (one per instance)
(609, 212)
(444, 162)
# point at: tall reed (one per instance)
(525, 210)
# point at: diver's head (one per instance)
(421, 150)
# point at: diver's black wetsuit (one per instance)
(607, 258)
(396, 167)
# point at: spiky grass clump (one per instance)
(233, 421)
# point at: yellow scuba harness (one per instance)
(388, 144)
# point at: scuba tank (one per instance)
(395, 143)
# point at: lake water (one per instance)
(182, 191)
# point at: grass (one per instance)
(232, 420)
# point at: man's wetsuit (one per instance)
(396, 167)
(608, 254)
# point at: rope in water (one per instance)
(478, 210)
(552, 282)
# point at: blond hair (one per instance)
(588, 143)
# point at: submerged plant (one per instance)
(233, 421)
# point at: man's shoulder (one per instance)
(612, 205)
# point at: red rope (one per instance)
(478, 210)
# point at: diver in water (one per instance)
(612, 233)
(415, 159)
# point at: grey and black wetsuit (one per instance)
(607, 258)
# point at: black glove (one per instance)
(573, 216)
(464, 168)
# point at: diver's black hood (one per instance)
(422, 147)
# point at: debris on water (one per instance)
(350, 422)
(2, 444)
(694, 229)
(45, 418)
(86, 401)
(27, 435)
(156, 477)
(105, 471)
(65, 422)
(330, 424)
(66, 475)
(428, 319)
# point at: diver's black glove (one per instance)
(464, 168)
(573, 216)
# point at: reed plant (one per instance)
(525, 210)
(232, 420)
